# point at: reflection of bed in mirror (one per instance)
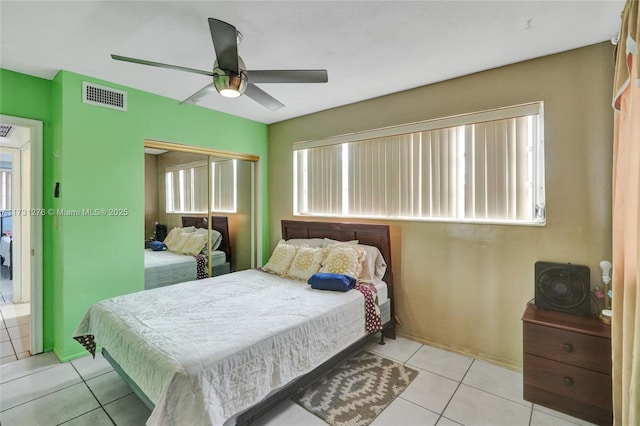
(6, 241)
(226, 350)
(162, 268)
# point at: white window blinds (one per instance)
(484, 167)
(187, 189)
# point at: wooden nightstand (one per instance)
(567, 364)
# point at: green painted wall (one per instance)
(98, 158)
(30, 97)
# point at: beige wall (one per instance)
(465, 286)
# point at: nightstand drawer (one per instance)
(574, 383)
(581, 350)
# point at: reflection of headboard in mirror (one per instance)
(219, 223)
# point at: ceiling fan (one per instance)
(230, 76)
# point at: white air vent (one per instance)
(104, 96)
(5, 130)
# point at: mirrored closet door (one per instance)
(211, 193)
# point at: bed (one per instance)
(226, 349)
(6, 241)
(164, 267)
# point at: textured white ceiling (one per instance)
(370, 48)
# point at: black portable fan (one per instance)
(563, 287)
(230, 76)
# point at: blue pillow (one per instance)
(334, 282)
(157, 246)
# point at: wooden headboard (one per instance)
(368, 234)
(219, 223)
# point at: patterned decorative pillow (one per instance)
(344, 259)
(180, 241)
(306, 263)
(194, 244)
(281, 258)
(172, 236)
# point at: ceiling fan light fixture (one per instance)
(230, 86)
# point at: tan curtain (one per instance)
(626, 223)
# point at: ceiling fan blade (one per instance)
(206, 90)
(158, 64)
(287, 76)
(225, 43)
(263, 98)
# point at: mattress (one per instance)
(162, 268)
(204, 351)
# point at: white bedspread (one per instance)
(204, 351)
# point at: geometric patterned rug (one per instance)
(356, 391)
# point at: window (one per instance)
(187, 189)
(479, 167)
(5, 190)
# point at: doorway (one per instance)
(21, 237)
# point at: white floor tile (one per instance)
(108, 387)
(32, 386)
(128, 411)
(4, 335)
(446, 422)
(51, 409)
(430, 391)
(28, 366)
(400, 349)
(97, 417)
(496, 380)
(15, 310)
(22, 330)
(88, 367)
(438, 361)
(402, 412)
(22, 344)
(538, 418)
(559, 415)
(15, 321)
(288, 413)
(6, 349)
(471, 406)
(7, 359)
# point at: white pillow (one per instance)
(373, 265)
(189, 229)
(216, 237)
(328, 241)
(306, 263)
(306, 242)
(281, 258)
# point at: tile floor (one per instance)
(450, 389)
(15, 321)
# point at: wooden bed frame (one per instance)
(219, 223)
(368, 234)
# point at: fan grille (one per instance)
(562, 288)
(5, 130)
